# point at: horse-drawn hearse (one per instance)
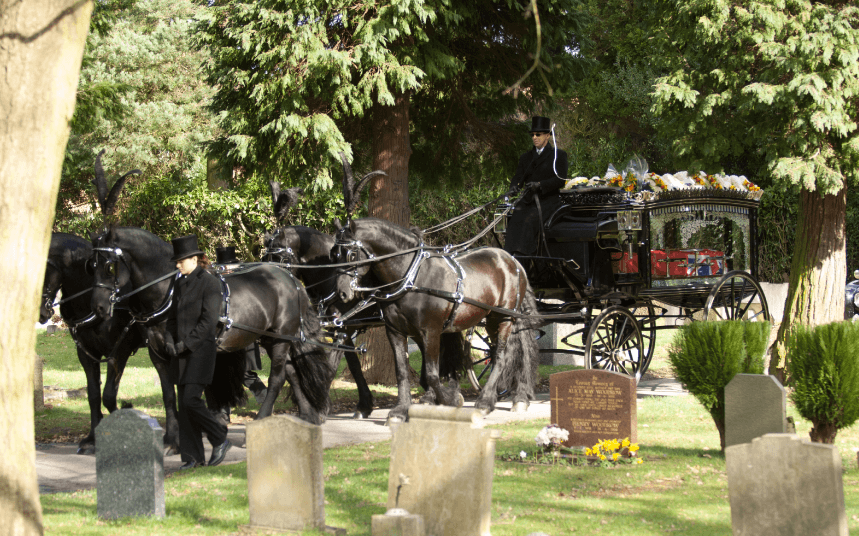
(619, 263)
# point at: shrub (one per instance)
(824, 364)
(707, 355)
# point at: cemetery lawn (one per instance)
(680, 488)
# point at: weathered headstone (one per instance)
(782, 485)
(448, 459)
(38, 385)
(553, 339)
(397, 522)
(285, 484)
(129, 464)
(755, 404)
(593, 405)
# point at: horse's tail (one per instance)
(226, 388)
(312, 363)
(520, 375)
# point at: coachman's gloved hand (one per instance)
(180, 348)
(170, 349)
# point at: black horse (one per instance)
(299, 245)
(95, 338)
(266, 303)
(428, 295)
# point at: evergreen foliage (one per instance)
(707, 355)
(141, 97)
(772, 79)
(824, 365)
(296, 81)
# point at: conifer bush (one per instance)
(706, 355)
(824, 364)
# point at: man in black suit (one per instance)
(541, 173)
(192, 328)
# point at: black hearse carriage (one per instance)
(618, 266)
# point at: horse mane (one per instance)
(405, 238)
(128, 237)
(69, 249)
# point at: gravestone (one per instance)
(448, 459)
(553, 339)
(593, 405)
(782, 485)
(129, 465)
(285, 485)
(755, 404)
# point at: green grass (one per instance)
(681, 487)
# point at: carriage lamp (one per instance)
(855, 274)
(629, 220)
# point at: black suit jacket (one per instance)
(193, 320)
(523, 228)
(541, 169)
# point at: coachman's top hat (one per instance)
(540, 124)
(184, 247)
(226, 255)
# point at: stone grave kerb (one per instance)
(129, 465)
(448, 458)
(784, 485)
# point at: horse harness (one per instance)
(407, 283)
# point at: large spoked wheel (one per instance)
(737, 296)
(645, 313)
(614, 342)
(482, 361)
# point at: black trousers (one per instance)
(194, 419)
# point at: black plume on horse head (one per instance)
(351, 190)
(283, 201)
(107, 200)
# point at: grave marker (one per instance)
(285, 485)
(755, 404)
(129, 463)
(781, 485)
(448, 460)
(593, 405)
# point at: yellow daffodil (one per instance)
(625, 443)
(615, 456)
(633, 447)
(639, 461)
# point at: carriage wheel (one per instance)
(737, 296)
(645, 313)
(482, 362)
(614, 342)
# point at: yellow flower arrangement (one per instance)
(750, 186)
(612, 451)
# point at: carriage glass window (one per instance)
(700, 242)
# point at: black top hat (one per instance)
(184, 247)
(226, 255)
(540, 124)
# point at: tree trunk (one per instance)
(389, 200)
(41, 46)
(817, 273)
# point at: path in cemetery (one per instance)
(60, 469)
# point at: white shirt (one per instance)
(539, 150)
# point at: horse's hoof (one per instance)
(484, 410)
(460, 400)
(519, 407)
(394, 420)
(358, 416)
(171, 450)
(87, 449)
